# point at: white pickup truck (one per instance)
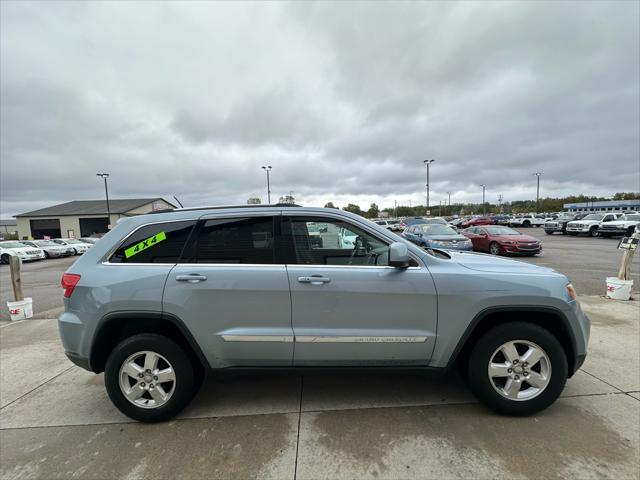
(528, 220)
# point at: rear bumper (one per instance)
(80, 361)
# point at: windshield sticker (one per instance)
(143, 245)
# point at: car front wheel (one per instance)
(494, 248)
(517, 369)
(149, 378)
(593, 231)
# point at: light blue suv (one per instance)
(163, 298)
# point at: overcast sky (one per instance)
(344, 100)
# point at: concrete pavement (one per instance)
(57, 422)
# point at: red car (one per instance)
(474, 222)
(497, 240)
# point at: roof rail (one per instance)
(220, 207)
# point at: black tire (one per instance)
(593, 231)
(481, 354)
(630, 231)
(494, 248)
(526, 224)
(548, 232)
(46, 255)
(4, 259)
(185, 384)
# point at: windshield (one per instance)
(594, 216)
(13, 245)
(46, 243)
(633, 217)
(72, 241)
(437, 229)
(437, 220)
(501, 231)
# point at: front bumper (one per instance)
(578, 230)
(30, 258)
(521, 249)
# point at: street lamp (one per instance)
(268, 169)
(106, 192)
(427, 163)
(484, 186)
(537, 174)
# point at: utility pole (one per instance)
(106, 192)
(427, 163)
(268, 169)
(484, 207)
(395, 207)
(537, 174)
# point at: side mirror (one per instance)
(419, 234)
(399, 255)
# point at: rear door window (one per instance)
(236, 241)
(156, 243)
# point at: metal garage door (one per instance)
(90, 226)
(49, 227)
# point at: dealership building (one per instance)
(83, 218)
(604, 206)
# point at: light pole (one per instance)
(484, 210)
(268, 169)
(449, 209)
(427, 163)
(537, 174)
(106, 192)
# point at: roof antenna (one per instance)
(181, 206)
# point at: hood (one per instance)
(489, 263)
(515, 238)
(620, 223)
(585, 222)
(445, 238)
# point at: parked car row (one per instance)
(605, 224)
(32, 250)
(494, 239)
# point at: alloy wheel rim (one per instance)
(519, 370)
(147, 379)
(495, 249)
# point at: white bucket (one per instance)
(21, 310)
(619, 289)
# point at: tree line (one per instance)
(547, 204)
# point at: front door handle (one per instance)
(191, 278)
(314, 279)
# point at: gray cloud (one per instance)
(344, 100)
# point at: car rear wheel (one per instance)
(494, 248)
(593, 231)
(149, 378)
(526, 224)
(517, 368)
(4, 259)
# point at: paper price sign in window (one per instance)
(145, 244)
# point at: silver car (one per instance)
(51, 248)
(164, 298)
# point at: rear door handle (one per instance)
(191, 278)
(314, 279)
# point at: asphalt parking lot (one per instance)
(56, 420)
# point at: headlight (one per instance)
(571, 292)
(508, 242)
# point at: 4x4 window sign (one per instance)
(143, 245)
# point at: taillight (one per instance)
(69, 282)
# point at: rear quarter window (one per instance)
(156, 243)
